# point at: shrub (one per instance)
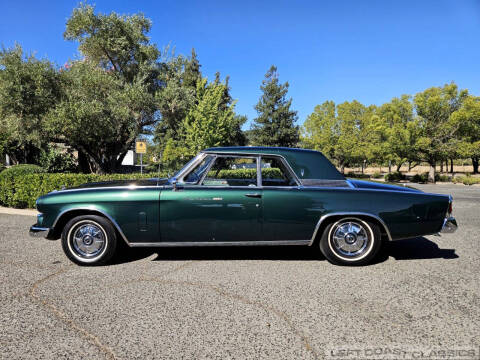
(467, 180)
(394, 176)
(442, 178)
(420, 178)
(23, 169)
(352, 174)
(9, 176)
(22, 191)
(376, 175)
(423, 178)
(56, 161)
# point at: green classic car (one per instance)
(236, 196)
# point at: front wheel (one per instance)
(350, 241)
(89, 240)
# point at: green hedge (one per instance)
(268, 173)
(22, 191)
(467, 180)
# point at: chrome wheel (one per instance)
(350, 238)
(87, 239)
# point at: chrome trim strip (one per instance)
(324, 217)
(94, 209)
(127, 187)
(221, 243)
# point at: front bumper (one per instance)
(449, 225)
(36, 231)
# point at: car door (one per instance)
(288, 211)
(217, 202)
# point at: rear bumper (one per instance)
(36, 231)
(449, 225)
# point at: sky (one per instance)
(338, 50)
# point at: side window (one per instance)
(195, 175)
(274, 173)
(232, 171)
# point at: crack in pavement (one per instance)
(282, 315)
(107, 351)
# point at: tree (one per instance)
(109, 96)
(179, 76)
(212, 122)
(99, 114)
(29, 88)
(320, 130)
(353, 144)
(437, 127)
(401, 129)
(275, 124)
(468, 118)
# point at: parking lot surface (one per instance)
(242, 303)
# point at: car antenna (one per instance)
(158, 172)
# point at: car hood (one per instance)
(361, 184)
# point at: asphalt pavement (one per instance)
(422, 296)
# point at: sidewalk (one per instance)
(11, 211)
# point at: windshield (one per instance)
(186, 166)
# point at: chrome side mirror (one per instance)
(174, 183)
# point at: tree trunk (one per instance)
(84, 163)
(431, 172)
(451, 166)
(389, 166)
(342, 169)
(399, 166)
(441, 166)
(475, 165)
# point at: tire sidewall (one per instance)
(374, 236)
(108, 231)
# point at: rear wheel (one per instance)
(350, 241)
(89, 240)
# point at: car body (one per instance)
(243, 196)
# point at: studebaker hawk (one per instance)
(236, 196)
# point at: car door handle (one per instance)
(254, 195)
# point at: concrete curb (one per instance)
(26, 212)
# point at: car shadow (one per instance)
(419, 248)
(284, 253)
(409, 249)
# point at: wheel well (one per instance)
(334, 218)
(66, 217)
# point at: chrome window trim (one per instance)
(200, 183)
(186, 171)
(353, 213)
(289, 169)
(265, 154)
(222, 243)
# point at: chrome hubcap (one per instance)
(88, 240)
(350, 238)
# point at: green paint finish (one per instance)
(196, 213)
(124, 205)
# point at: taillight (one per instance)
(450, 208)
